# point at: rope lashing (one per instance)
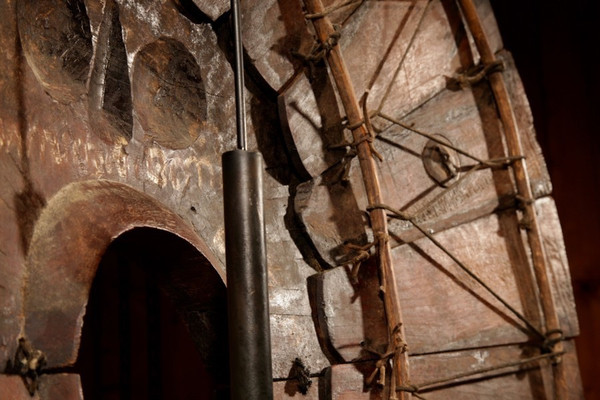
(396, 345)
(475, 75)
(400, 215)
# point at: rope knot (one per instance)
(551, 339)
(473, 75)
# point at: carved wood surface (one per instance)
(145, 100)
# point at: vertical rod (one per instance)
(515, 149)
(324, 29)
(247, 295)
(240, 104)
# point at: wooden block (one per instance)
(350, 318)
(311, 122)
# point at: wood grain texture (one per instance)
(469, 121)
(466, 316)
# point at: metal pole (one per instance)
(240, 104)
(247, 295)
(245, 247)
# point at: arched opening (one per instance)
(91, 232)
(155, 323)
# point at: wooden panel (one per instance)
(12, 387)
(60, 387)
(509, 383)
(466, 316)
(468, 120)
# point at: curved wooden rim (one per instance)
(69, 240)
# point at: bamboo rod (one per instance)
(515, 149)
(325, 31)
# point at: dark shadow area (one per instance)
(155, 323)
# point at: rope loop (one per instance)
(553, 337)
(475, 75)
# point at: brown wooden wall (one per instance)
(556, 50)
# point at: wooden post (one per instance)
(515, 149)
(325, 32)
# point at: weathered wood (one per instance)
(493, 248)
(67, 245)
(311, 123)
(351, 318)
(211, 8)
(533, 381)
(109, 88)
(170, 95)
(515, 148)
(279, 33)
(378, 220)
(283, 390)
(345, 382)
(468, 119)
(373, 53)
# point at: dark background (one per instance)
(556, 46)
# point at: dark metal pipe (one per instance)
(247, 294)
(238, 71)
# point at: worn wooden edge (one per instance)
(69, 239)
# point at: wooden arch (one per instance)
(69, 240)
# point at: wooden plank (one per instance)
(509, 383)
(60, 387)
(466, 316)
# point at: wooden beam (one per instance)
(325, 32)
